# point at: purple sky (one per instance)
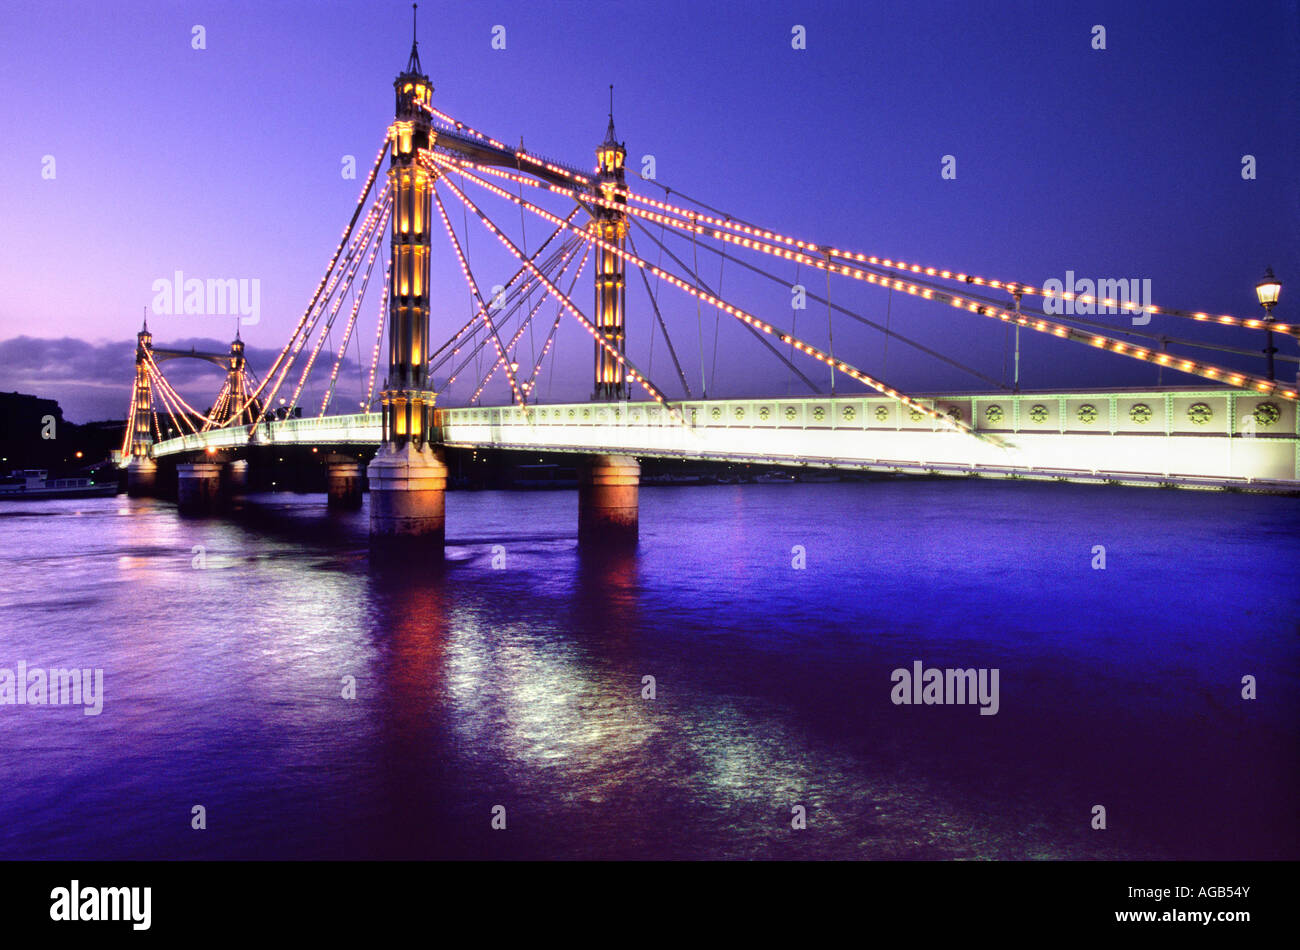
(225, 163)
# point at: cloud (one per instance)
(92, 381)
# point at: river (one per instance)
(509, 684)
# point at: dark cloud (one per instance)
(93, 380)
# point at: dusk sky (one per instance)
(224, 162)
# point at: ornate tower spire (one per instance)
(413, 64)
(610, 225)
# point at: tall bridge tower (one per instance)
(142, 395)
(408, 475)
(141, 470)
(610, 224)
(607, 484)
(406, 399)
(238, 406)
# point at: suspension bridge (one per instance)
(1226, 429)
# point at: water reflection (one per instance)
(518, 680)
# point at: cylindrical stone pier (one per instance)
(198, 487)
(344, 478)
(607, 500)
(408, 494)
(141, 477)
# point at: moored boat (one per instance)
(34, 483)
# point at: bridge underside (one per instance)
(1191, 438)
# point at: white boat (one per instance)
(35, 483)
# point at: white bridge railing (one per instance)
(1164, 435)
(357, 429)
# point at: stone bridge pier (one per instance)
(198, 487)
(344, 482)
(608, 507)
(408, 495)
(141, 477)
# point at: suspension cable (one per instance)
(857, 316)
(474, 322)
(738, 225)
(375, 248)
(379, 335)
(347, 231)
(762, 339)
(519, 299)
(559, 313)
(473, 286)
(630, 368)
(748, 318)
(299, 338)
(527, 322)
(659, 317)
(376, 222)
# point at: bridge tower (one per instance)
(235, 377)
(241, 409)
(610, 225)
(608, 484)
(141, 470)
(408, 476)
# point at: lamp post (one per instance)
(1268, 290)
(1015, 388)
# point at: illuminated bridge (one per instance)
(1220, 428)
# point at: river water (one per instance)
(510, 681)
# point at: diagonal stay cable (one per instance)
(672, 351)
(559, 314)
(507, 314)
(509, 307)
(767, 343)
(527, 322)
(474, 323)
(857, 316)
(633, 373)
(347, 232)
(739, 313)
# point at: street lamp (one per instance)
(1268, 290)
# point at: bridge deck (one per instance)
(1192, 437)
